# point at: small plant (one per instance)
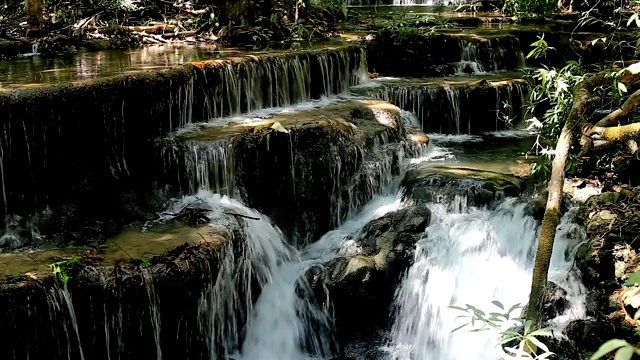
(529, 8)
(144, 263)
(540, 48)
(624, 350)
(528, 344)
(59, 269)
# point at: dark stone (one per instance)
(553, 301)
(414, 53)
(362, 286)
(10, 49)
(444, 184)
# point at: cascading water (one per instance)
(474, 257)
(275, 82)
(62, 313)
(154, 305)
(287, 325)
(125, 123)
(210, 166)
(459, 109)
(228, 298)
(469, 62)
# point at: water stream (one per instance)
(258, 304)
(467, 256)
(473, 257)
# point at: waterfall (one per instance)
(62, 314)
(154, 306)
(122, 116)
(275, 81)
(473, 257)
(459, 109)
(287, 324)
(469, 59)
(244, 264)
(210, 166)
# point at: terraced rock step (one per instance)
(67, 148)
(458, 105)
(459, 186)
(102, 305)
(417, 53)
(307, 169)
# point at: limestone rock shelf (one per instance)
(309, 172)
(458, 105)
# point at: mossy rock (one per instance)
(443, 183)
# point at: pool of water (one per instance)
(36, 70)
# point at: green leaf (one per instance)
(511, 332)
(624, 353)
(538, 343)
(516, 306)
(508, 339)
(527, 326)
(608, 347)
(622, 87)
(457, 308)
(498, 304)
(633, 279)
(542, 332)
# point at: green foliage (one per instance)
(529, 8)
(339, 6)
(553, 92)
(633, 279)
(540, 48)
(59, 269)
(144, 263)
(399, 24)
(624, 350)
(528, 342)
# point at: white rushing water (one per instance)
(467, 256)
(288, 326)
(474, 257)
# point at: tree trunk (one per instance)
(584, 99)
(35, 19)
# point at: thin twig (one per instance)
(205, 240)
(123, 250)
(244, 216)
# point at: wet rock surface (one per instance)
(606, 262)
(317, 169)
(459, 105)
(362, 284)
(414, 53)
(471, 186)
(84, 156)
(111, 308)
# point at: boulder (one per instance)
(472, 187)
(362, 286)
